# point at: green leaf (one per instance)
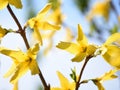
(73, 75)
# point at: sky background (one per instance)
(56, 60)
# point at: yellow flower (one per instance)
(107, 76)
(41, 22)
(3, 32)
(16, 3)
(111, 50)
(65, 84)
(56, 16)
(100, 8)
(81, 49)
(22, 62)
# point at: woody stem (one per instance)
(81, 72)
(21, 31)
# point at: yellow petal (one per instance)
(3, 4)
(44, 11)
(37, 35)
(100, 8)
(47, 26)
(113, 38)
(109, 75)
(63, 80)
(32, 52)
(15, 86)
(33, 66)
(10, 71)
(81, 37)
(3, 32)
(79, 57)
(16, 3)
(70, 47)
(16, 55)
(56, 16)
(21, 69)
(98, 84)
(80, 33)
(91, 49)
(31, 22)
(112, 55)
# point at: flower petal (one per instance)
(91, 49)
(109, 75)
(47, 26)
(3, 4)
(98, 84)
(10, 71)
(16, 3)
(79, 57)
(112, 55)
(33, 66)
(44, 11)
(113, 38)
(15, 86)
(3, 32)
(16, 55)
(81, 39)
(63, 80)
(21, 69)
(70, 47)
(37, 35)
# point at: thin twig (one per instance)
(81, 72)
(14, 17)
(23, 34)
(20, 30)
(46, 87)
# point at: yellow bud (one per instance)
(3, 32)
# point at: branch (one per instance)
(81, 72)
(23, 34)
(14, 17)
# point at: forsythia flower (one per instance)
(81, 49)
(65, 84)
(16, 3)
(3, 32)
(57, 16)
(111, 50)
(107, 76)
(100, 8)
(41, 22)
(22, 62)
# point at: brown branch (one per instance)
(46, 87)
(21, 31)
(23, 34)
(81, 72)
(14, 17)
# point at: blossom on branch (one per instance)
(81, 49)
(40, 22)
(16, 3)
(22, 62)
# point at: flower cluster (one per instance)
(82, 49)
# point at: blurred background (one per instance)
(98, 18)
